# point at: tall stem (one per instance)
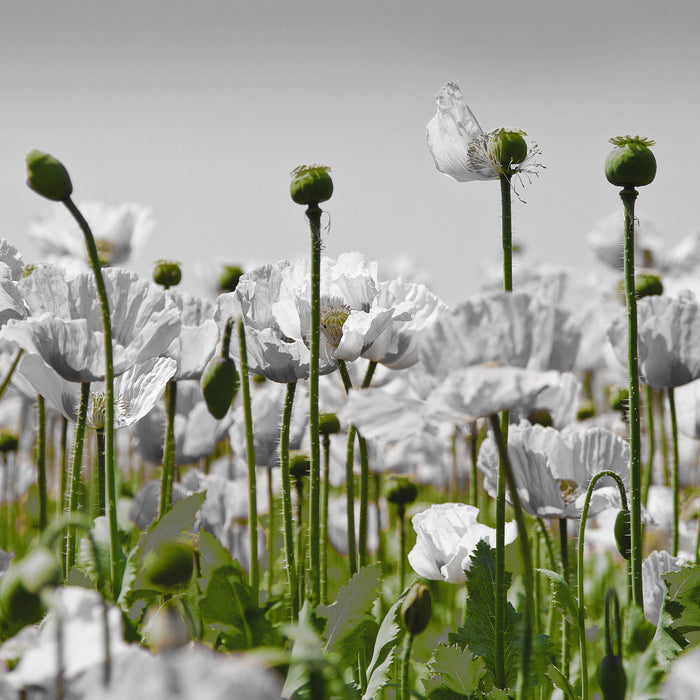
(628, 196)
(99, 504)
(250, 456)
(270, 536)
(287, 517)
(41, 460)
(168, 469)
(674, 483)
(324, 517)
(564, 548)
(6, 381)
(313, 212)
(115, 552)
(350, 478)
(649, 469)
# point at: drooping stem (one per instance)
(287, 517)
(115, 552)
(579, 571)
(674, 483)
(250, 458)
(168, 469)
(76, 465)
(41, 461)
(649, 469)
(524, 545)
(313, 212)
(628, 196)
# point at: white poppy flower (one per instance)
(446, 536)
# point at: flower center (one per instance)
(98, 409)
(569, 490)
(333, 315)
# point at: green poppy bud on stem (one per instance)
(219, 384)
(506, 148)
(48, 176)
(631, 163)
(8, 442)
(311, 184)
(401, 491)
(328, 424)
(623, 534)
(417, 608)
(229, 278)
(167, 273)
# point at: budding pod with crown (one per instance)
(299, 465)
(169, 565)
(328, 424)
(8, 442)
(219, 384)
(228, 281)
(506, 148)
(167, 273)
(311, 184)
(48, 176)
(623, 534)
(630, 163)
(416, 608)
(586, 410)
(401, 491)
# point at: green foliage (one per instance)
(454, 674)
(478, 632)
(349, 619)
(562, 596)
(644, 675)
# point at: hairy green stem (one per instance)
(474, 452)
(405, 691)
(287, 516)
(250, 457)
(115, 552)
(649, 469)
(168, 469)
(324, 517)
(628, 196)
(350, 478)
(99, 504)
(270, 536)
(41, 461)
(674, 484)
(564, 549)
(8, 378)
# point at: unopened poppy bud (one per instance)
(311, 184)
(612, 678)
(48, 176)
(8, 442)
(630, 163)
(401, 491)
(219, 384)
(506, 148)
(230, 277)
(623, 534)
(328, 424)
(585, 410)
(167, 273)
(169, 565)
(417, 608)
(541, 417)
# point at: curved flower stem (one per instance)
(8, 378)
(579, 571)
(313, 213)
(115, 552)
(168, 469)
(674, 483)
(250, 456)
(528, 578)
(628, 196)
(324, 516)
(99, 504)
(649, 469)
(287, 518)
(41, 460)
(76, 465)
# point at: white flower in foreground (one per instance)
(654, 567)
(683, 680)
(459, 146)
(120, 232)
(446, 536)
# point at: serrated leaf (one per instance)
(561, 682)
(479, 629)
(86, 557)
(171, 526)
(307, 648)
(349, 617)
(388, 638)
(456, 670)
(562, 596)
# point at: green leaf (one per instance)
(455, 670)
(561, 682)
(562, 596)
(388, 638)
(478, 632)
(349, 617)
(644, 675)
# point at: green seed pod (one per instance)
(311, 184)
(167, 273)
(623, 534)
(259, 379)
(169, 565)
(630, 163)
(506, 148)
(416, 608)
(229, 278)
(48, 176)
(328, 424)
(585, 410)
(401, 491)
(219, 384)
(8, 441)
(612, 678)
(619, 398)
(541, 417)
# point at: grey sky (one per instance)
(201, 110)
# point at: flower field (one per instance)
(323, 482)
